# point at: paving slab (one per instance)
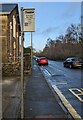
(39, 101)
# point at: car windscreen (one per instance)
(73, 59)
(76, 59)
(43, 58)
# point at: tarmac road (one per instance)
(68, 81)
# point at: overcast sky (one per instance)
(51, 20)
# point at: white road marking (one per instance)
(63, 83)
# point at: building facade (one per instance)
(10, 32)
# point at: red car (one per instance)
(42, 61)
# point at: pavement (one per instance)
(39, 100)
(10, 97)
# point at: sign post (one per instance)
(22, 81)
(27, 25)
(31, 49)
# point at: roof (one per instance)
(7, 8)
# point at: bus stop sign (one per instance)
(29, 20)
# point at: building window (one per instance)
(10, 38)
(14, 27)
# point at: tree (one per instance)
(73, 33)
(70, 44)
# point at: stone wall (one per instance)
(11, 69)
(14, 69)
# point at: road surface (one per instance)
(68, 81)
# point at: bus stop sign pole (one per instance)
(22, 81)
(27, 25)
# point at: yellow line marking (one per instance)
(71, 110)
(77, 95)
(80, 94)
(81, 88)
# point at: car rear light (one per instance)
(43, 61)
(76, 63)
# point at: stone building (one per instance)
(9, 32)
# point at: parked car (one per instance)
(73, 62)
(42, 61)
(35, 58)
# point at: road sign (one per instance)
(29, 20)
